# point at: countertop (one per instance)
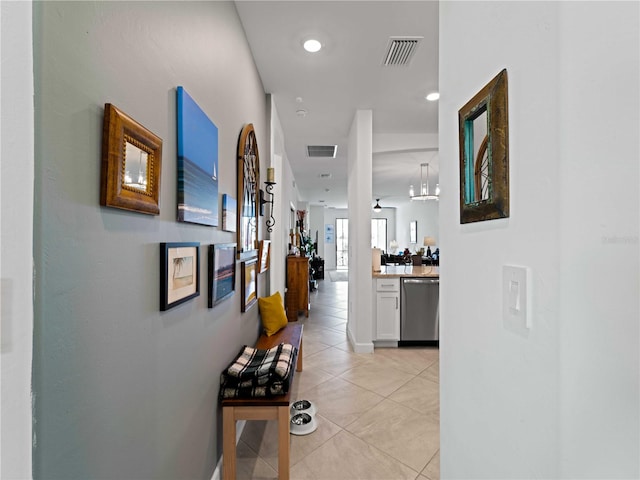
(397, 271)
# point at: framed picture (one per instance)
(413, 231)
(179, 273)
(131, 164)
(228, 213)
(222, 272)
(248, 195)
(249, 284)
(197, 163)
(264, 255)
(483, 124)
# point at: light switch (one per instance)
(516, 299)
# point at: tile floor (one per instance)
(378, 414)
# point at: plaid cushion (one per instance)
(259, 373)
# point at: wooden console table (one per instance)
(297, 296)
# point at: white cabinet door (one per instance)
(388, 316)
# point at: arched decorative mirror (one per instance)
(248, 181)
(484, 153)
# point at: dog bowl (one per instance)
(303, 406)
(302, 424)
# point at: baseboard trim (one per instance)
(359, 347)
(217, 473)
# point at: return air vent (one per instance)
(326, 151)
(400, 50)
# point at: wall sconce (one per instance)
(268, 186)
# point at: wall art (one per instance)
(264, 255)
(222, 272)
(179, 273)
(249, 284)
(229, 213)
(131, 164)
(248, 199)
(483, 124)
(197, 163)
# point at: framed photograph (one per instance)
(483, 124)
(197, 163)
(228, 213)
(179, 273)
(222, 272)
(248, 194)
(249, 284)
(131, 164)
(264, 255)
(413, 231)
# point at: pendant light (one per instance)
(377, 208)
(423, 193)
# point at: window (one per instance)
(379, 233)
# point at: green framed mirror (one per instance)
(483, 124)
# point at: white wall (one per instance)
(499, 391)
(16, 267)
(428, 217)
(600, 125)
(562, 401)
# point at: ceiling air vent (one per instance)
(400, 50)
(326, 151)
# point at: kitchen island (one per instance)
(387, 307)
(398, 271)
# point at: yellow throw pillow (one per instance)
(272, 314)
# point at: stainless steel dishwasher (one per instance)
(419, 310)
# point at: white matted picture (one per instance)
(179, 273)
(413, 231)
(264, 255)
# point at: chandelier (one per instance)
(424, 194)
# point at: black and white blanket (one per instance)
(259, 373)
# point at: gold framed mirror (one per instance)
(248, 200)
(483, 124)
(131, 164)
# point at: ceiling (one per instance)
(317, 94)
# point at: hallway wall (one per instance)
(122, 390)
(561, 401)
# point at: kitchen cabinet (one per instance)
(387, 314)
(297, 296)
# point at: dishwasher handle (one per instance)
(421, 280)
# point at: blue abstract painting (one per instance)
(197, 163)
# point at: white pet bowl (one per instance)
(302, 424)
(302, 406)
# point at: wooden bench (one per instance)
(271, 408)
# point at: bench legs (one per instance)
(231, 414)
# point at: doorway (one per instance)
(342, 243)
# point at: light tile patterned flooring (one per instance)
(378, 414)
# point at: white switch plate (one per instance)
(516, 299)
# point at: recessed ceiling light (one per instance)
(433, 96)
(301, 112)
(312, 45)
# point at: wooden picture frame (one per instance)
(483, 124)
(131, 164)
(179, 273)
(264, 255)
(249, 284)
(248, 200)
